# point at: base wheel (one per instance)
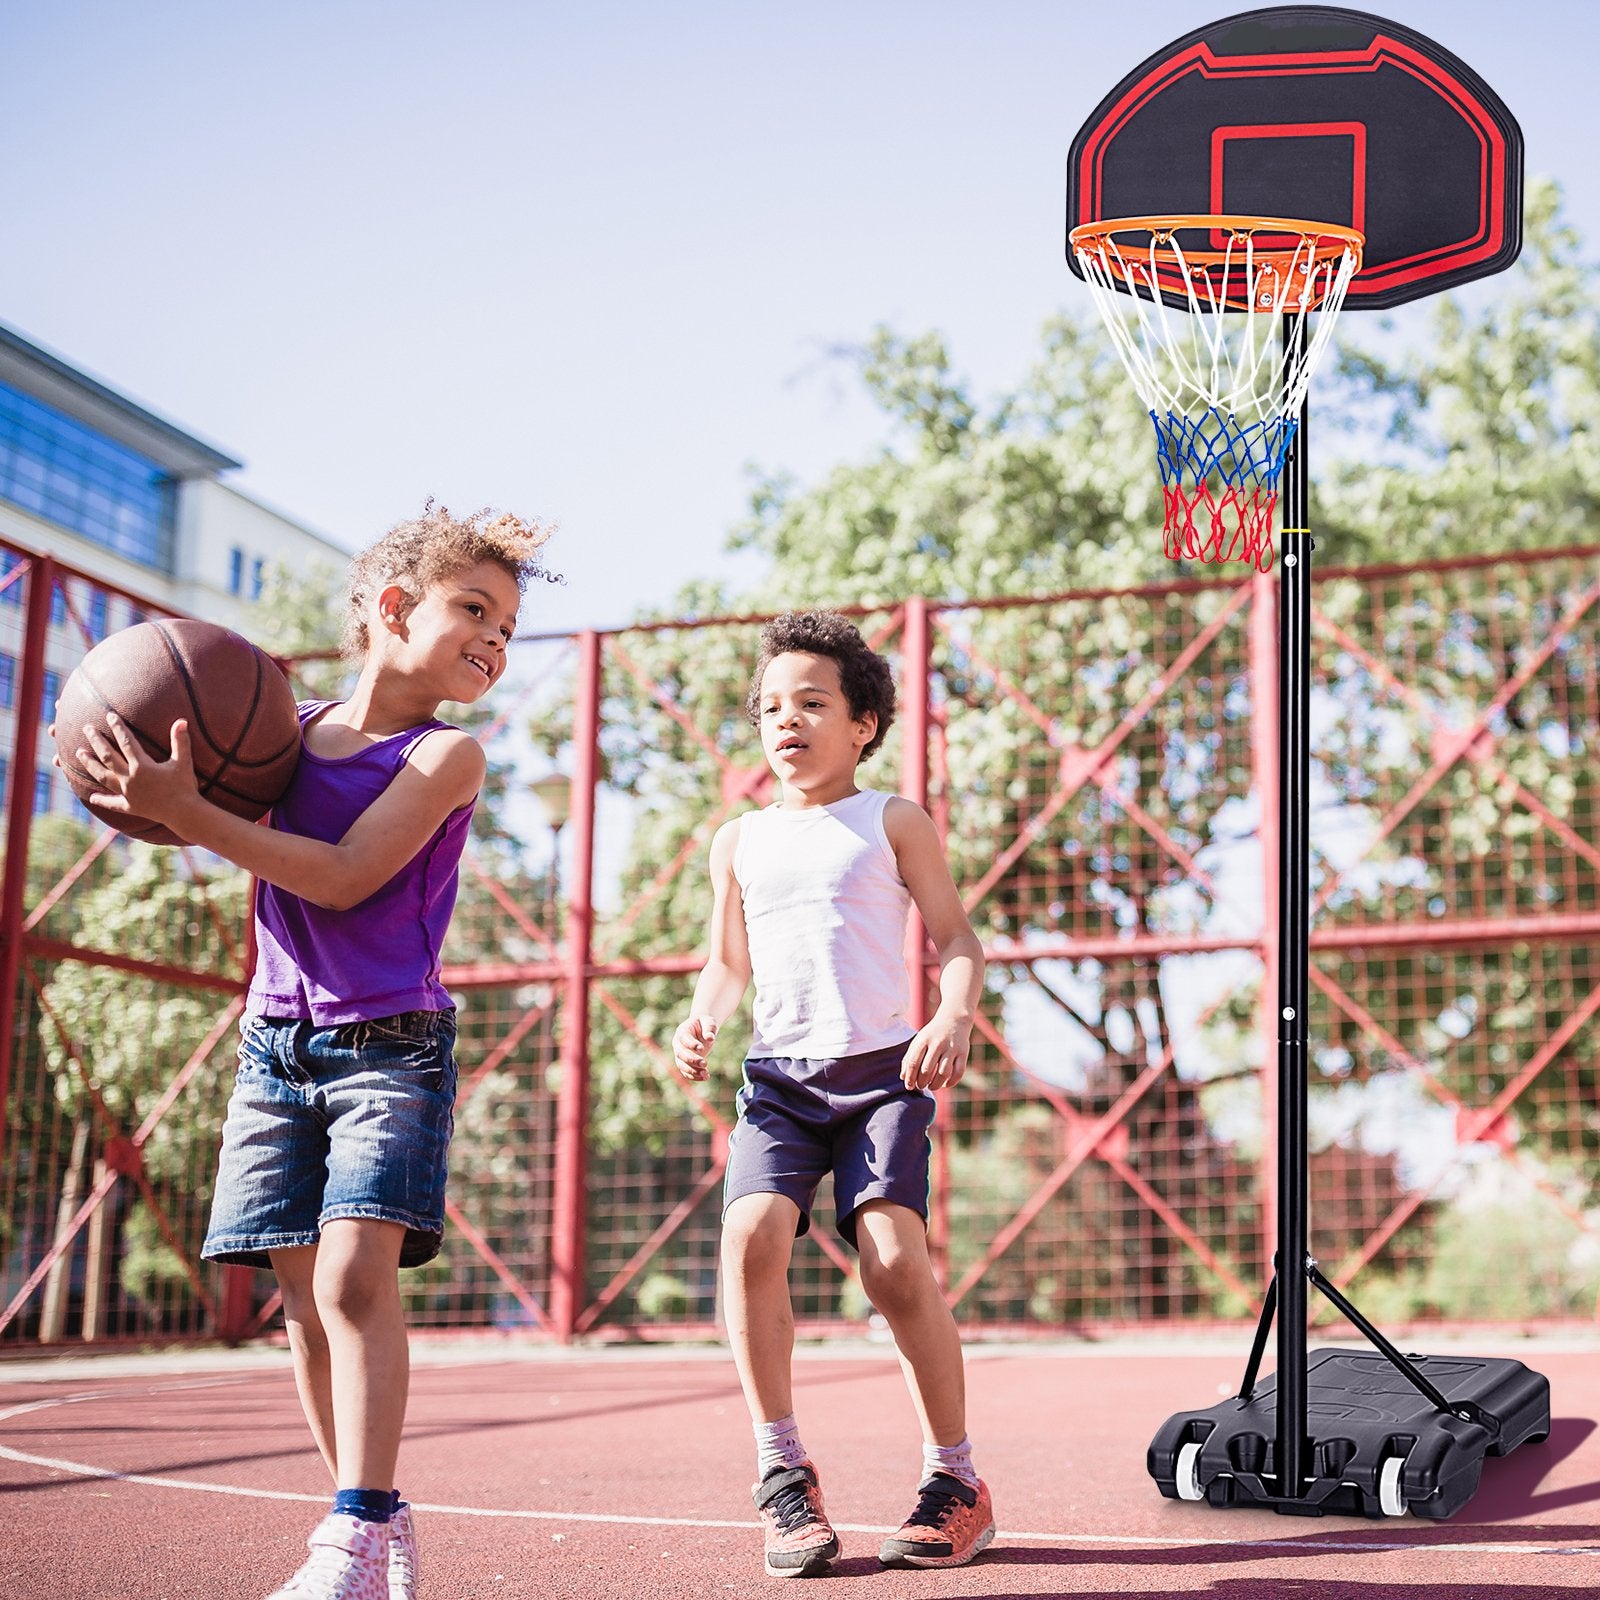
(1188, 1474)
(1391, 1499)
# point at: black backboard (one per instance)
(1321, 114)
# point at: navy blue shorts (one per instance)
(328, 1123)
(800, 1119)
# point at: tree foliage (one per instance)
(1470, 426)
(1051, 486)
(128, 1035)
(1489, 419)
(1488, 423)
(1476, 433)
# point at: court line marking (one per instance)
(195, 1485)
(84, 1469)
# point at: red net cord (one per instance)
(1215, 525)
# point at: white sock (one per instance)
(778, 1445)
(954, 1460)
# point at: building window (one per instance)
(52, 693)
(136, 615)
(58, 604)
(236, 570)
(11, 581)
(5, 772)
(258, 575)
(44, 791)
(8, 680)
(55, 467)
(99, 610)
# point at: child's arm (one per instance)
(722, 981)
(442, 774)
(937, 1057)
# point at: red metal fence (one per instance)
(1102, 766)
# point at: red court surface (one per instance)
(627, 1474)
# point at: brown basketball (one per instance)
(244, 733)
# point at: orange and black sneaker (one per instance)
(800, 1542)
(952, 1523)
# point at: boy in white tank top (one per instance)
(810, 899)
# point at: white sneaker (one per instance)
(402, 1554)
(349, 1561)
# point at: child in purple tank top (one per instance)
(333, 1151)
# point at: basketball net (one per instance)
(1196, 306)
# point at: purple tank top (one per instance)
(375, 959)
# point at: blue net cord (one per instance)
(1219, 481)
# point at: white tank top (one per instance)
(825, 913)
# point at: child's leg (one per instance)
(341, 1301)
(953, 1519)
(897, 1274)
(308, 1344)
(757, 1241)
(356, 1285)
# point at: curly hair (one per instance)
(864, 675)
(420, 551)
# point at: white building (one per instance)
(136, 507)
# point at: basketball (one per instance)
(244, 732)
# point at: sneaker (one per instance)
(402, 1554)
(349, 1561)
(799, 1541)
(952, 1523)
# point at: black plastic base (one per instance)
(1360, 1412)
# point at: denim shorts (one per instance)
(802, 1118)
(327, 1123)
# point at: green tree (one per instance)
(128, 1035)
(49, 1153)
(1486, 428)
(1489, 421)
(1048, 487)
(299, 617)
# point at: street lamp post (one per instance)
(553, 792)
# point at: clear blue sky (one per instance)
(586, 260)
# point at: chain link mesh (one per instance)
(1100, 768)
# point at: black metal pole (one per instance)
(1395, 1358)
(1294, 937)
(1258, 1349)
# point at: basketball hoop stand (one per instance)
(1394, 1432)
(1264, 167)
